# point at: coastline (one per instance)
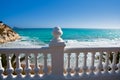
(69, 44)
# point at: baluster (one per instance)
(18, 66)
(92, 67)
(113, 65)
(65, 62)
(1, 69)
(68, 69)
(118, 71)
(84, 67)
(45, 65)
(27, 68)
(9, 67)
(100, 66)
(36, 68)
(106, 63)
(77, 68)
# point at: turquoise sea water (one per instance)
(72, 36)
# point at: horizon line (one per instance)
(65, 27)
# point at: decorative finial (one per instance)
(57, 33)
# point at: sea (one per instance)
(73, 37)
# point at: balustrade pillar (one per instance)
(57, 51)
(84, 67)
(27, 68)
(36, 68)
(18, 66)
(113, 65)
(1, 69)
(68, 68)
(9, 67)
(45, 65)
(77, 67)
(106, 63)
(118, 71)
(100, 66)
(92, 67)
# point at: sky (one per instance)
(63, 13)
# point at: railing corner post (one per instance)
(57, 51)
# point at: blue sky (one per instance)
(65, 13)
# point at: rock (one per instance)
(7, 34)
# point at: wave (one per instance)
(24, 42)
(34, 42)
(93, 43)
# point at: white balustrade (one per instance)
(118, 71)
(18, 66)
(84, 68)
(92, 67)
(1, 69)
(36, 68)
(68, 68)
(27, 67)
(9, 66)
(45, 65)
(106, 65)
(77, 69)
(100, 65)
(114, 65)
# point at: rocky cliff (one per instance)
(7, 34)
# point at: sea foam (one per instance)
(95, 43)
(26, 42)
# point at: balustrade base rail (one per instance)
(102, 76)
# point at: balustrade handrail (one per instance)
(91, 49)
(24, 50)
(66, 50)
